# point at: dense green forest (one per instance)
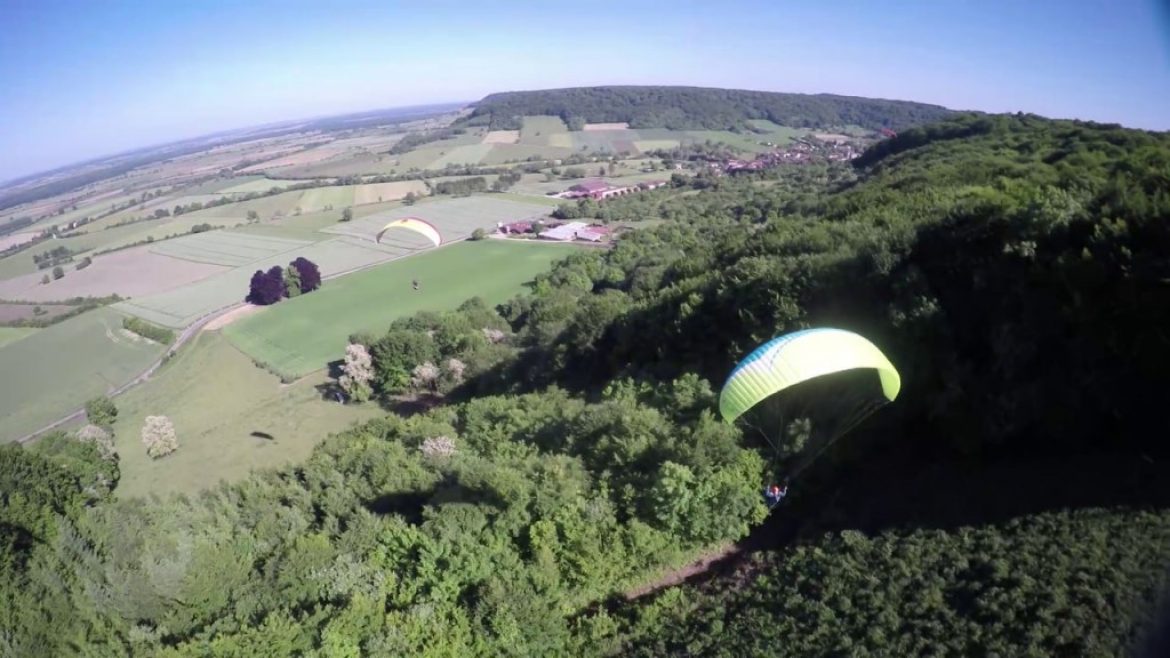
(698, 108)
(563, 447)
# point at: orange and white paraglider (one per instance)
(420, 226)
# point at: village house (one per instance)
(565, 232)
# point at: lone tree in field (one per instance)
(308, 273)
(267, 287)
(253, 216)
(358, 371)
(101, 411)
(158, 435)
(347, 214)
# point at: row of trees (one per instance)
(301, 276)
(145, 329)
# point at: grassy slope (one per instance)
(55, 370)
(216, 398)
(13, 334)
(294, 339)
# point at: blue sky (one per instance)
(82, 79)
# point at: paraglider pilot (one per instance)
(775, 493)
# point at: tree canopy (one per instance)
(1012, 500)
(697, 108)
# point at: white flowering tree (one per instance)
(158, 435)
(425, 376)
(453, 369)
(105, 444)
(438, 446)
(358, 371)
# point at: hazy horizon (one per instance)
(88, 80)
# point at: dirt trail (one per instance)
(701, 565)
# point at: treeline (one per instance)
(52, 257)
(1016, 278)
(461, 186)
(414, 140)
(145, 329)
(695, 108)
(14, 225)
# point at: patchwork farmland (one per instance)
(180, 307)
(129, 273)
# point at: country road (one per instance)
(184, 336)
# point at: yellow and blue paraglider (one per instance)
(803, 390)
(420, 226)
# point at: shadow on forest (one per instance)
(410, 405)
(411, 505)
(890, 493)
(896, 493)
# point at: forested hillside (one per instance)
(698, 108)
(1014, 500)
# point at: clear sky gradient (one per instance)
(89, 78)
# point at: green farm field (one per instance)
(226, 247)
(216, 398)
(501, 153)
(468, 154)
(55, 370)
(536, 130)
(293, 340)
(257, 184)
(12, 334)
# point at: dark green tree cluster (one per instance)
(53, 257)
(474, 334)
(696, 108)
(472, 530)
(461, 186)
(506, 180)
(414, 140)
(989, 591)
(147, 330)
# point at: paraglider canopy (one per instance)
(803, 390)
(420, 226)
(797, 357)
